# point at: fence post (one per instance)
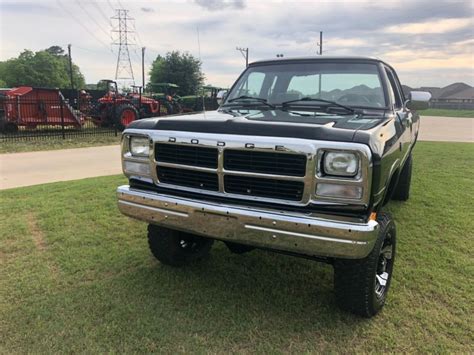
(114, 116)
(61, 106)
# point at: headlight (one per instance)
(139, 146)
(341, 164)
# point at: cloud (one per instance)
(214, 5)
(433, 26)
(147, 9)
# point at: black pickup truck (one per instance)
(300, 158)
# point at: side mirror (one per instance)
(418, 100)
(221, 95)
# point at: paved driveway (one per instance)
(447, 129)
(24, 169)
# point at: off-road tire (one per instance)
(175, 248)
(402, 190)
(120, 110)
(237, 248)
(356, 285)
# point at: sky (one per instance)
(429, 43)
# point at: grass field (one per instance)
(78, 277)
(447, 112)
(57, 143)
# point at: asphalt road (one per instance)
(33, 168)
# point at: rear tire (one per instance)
(361, 286)
(402, 190)
(175, 248)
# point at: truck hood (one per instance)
(276, 123)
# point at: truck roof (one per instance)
(319, 58)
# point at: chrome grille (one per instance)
(242, 173)
(265, 162)
(188, 178)
(186, 155)
(269, 188)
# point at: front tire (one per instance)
(361, 286)
(175, 248)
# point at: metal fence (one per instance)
(452, 105)
(54, 117)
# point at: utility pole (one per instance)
(143, 68)
(320, 44)
(245, 54)
(123, 71)
(70, 65)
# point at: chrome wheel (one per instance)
(384, 266)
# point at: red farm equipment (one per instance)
(117, 109)
(33, 107)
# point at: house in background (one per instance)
(458, 96)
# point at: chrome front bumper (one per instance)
(291, 232)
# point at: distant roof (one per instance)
(451, 91)
(466, 94)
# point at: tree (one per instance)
(46, 68)
(178, 68)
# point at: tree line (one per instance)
(49, 68)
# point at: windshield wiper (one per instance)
(244, 97)
(333, 103)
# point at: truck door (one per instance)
(405, 117)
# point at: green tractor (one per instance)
(166, 94)
(207, 99)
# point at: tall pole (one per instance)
(70, 65)
(143, 68)
(245, 54)
(320, 42)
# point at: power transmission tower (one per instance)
(123, 71)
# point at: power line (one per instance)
(110, 5)
(83, 26)
(92, 18)
(103, 14)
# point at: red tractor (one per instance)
(115, 108)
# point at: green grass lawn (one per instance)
(57, 143)
(78, 277)
(447, 112)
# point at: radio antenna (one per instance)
(200, 89)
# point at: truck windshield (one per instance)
(349, 84)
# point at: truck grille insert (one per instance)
(188, 178)
(186, 155)
(268, 188)
(265, 163)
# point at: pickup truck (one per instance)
(300, 158)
